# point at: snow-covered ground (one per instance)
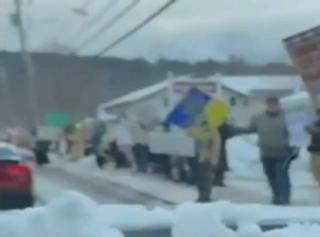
(244, 160)
(75, 215)
(208, 220)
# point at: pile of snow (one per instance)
(71, 215)
(209, 220)
(74, 215)
(243, 156)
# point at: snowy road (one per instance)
(51, 181)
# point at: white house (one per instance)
(245, 94)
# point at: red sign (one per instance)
(184, 87)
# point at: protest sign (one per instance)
(299, 114)
(304, 51)
(189, 110)
(171, 143)
(296, 124)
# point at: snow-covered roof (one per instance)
(137, 95)
(150, 90)
(242, 84)
(248, 84)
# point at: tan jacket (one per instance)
(209, 151)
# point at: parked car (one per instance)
(16, 186)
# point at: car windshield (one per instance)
(170, 118)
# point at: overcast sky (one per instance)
(190, 30)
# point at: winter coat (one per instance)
(227, 131)
(314, 146)
(209, 150)
(273, 136)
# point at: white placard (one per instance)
(171, 143)
(49, 133)
(296, 124)
(299, 114)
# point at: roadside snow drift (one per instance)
(243, 156)
(208, 220)
(74, 215)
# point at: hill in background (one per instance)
(77, 84)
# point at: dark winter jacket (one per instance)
(315, 138)
(227, 131)
(273, 136)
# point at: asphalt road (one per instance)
(101, 191)
(105, 193)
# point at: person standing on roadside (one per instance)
(96, 141)
(276, 153)
(140, 140)
(208, 154)
(314, 147)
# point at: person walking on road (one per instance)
(276, 153)
(314, 147)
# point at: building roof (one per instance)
(150, 90)
(248, 84)
(244, 85)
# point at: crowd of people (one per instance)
(125, 144)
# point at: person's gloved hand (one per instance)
(295, 153)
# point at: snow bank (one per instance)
(132, 217)
(73, 215)
(243, 155)
(207, 220)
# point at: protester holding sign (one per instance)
(208, 152)
(201, 116)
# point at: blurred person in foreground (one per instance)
(314, 147)
(276, 153)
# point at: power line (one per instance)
(137, 28)
(109, 24)
(99, 15)
(95, 19)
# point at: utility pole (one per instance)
(7, 105)
(18, 20)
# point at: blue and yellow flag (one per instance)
(188, 111)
